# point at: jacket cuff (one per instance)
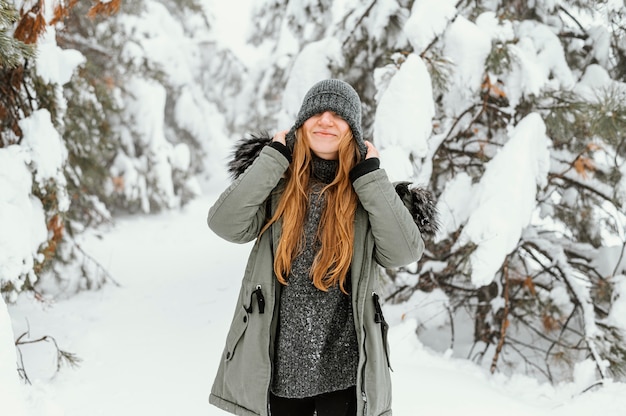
(284, 150)
(366, 166)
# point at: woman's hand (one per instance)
(371, 150)
(280, 137)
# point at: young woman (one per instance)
(308, 333)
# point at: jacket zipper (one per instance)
(363, 394)
(364, 397)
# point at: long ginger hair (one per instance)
(336, 228)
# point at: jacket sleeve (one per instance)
(397, 239)
(239, 213)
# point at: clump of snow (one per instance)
(526, 75)
(500, 30)
(538, 63)
(404, 116)
(406, 108)
(596, 82)
(429, 18)
(47, 152)
(505, 198)
(467, 46)
(181, 157)
(55, 65)
(453, 205)
(549, 54)
(599, 40)
(396, 163)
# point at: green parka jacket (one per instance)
(384, 233)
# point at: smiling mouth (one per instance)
(325, 133)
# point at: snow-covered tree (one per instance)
(513, 114)
(33, 188)
(118, 112)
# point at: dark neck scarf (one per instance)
(324, 170)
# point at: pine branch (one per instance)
(62, 357)
(594, 385)
(577, 184)
(580, 302)
(458, 119)
(359, 21)
(528, 362)
(565, 325)
(589, 335)
(32, 24)
(541, 333)
(568, 14)
(12, 51)
(98, 265)
(104, 8)
(62, 11)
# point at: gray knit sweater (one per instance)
(316, 348)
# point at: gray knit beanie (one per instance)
(337, 96)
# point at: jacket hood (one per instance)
(420, 202)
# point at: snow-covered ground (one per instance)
(151, 345)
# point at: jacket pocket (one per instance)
(384, 327)
(238, 328)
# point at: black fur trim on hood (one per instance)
(419, 201)
(246, 151)
(422, 205)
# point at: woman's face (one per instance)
(325, 131)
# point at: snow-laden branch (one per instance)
(579, 288)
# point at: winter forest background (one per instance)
(512, 113)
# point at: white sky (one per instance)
(231, 25)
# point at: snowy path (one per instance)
(151, 346)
